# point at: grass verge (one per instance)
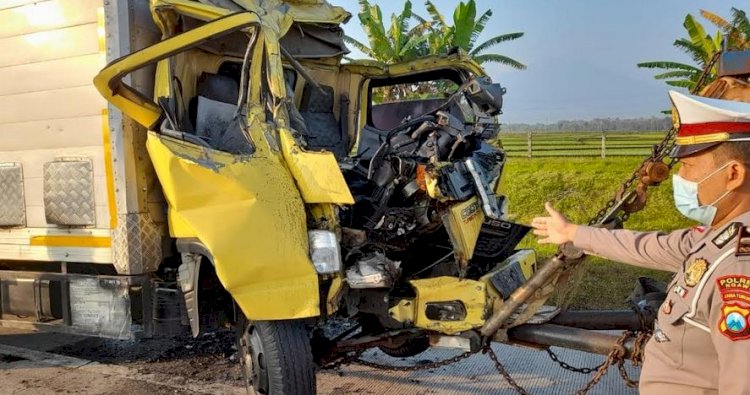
(580, 187)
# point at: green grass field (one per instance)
(576, 144)
(579, 187)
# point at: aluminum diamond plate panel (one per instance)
(136, 243)
(69, 193)
(12, 207)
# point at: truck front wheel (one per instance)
(275, 357)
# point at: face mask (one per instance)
(686, 198)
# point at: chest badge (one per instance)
(695, 272)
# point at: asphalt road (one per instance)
(54, 363)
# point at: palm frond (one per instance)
(699, 37)
(740, 21)
(718, 21)
(411, 44)
(404, 19)
(420, 28)
(464, 18)
(420, 20)
(695, 51)
(497, 58)
(436, 16)
(479, 27)
(681, 83)
(668, 66)
(361, 47)
(494, 41)
(675, 74)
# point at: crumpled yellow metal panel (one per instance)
(463, 222)
(318, 176)
(280, 14)
(247, 211)
(131, 102)
(471, 293)
(459, 60)
(525, 259)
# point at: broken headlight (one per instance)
(325, 251)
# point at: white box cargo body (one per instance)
(82, 218)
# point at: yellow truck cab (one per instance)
(246, 174)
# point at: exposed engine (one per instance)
(419, 169)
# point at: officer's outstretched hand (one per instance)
(555, 229)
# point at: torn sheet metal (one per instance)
(317, 173)
(249, 214)
(463, 221)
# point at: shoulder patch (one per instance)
(735, 312)
(726, 235)
(734, 322)
(743, 242)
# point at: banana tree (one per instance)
(464, 32)
(702, 47)
(393, 44)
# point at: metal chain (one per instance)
(554, 357)
(414, 368)
(503, 372)
(342, 361)
(659, 153)
(613, 356)
(616, 356)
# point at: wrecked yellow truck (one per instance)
(244, 174)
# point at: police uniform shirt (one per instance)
(701, 340)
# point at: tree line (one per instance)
(594, 125)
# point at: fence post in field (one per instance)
(604, 144)
(528, 143)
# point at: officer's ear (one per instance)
(737, 176)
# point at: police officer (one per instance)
(701, 340)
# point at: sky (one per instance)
(581, 54)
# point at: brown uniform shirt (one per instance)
(701, 342)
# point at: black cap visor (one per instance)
(681, 151)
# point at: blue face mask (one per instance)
(686, 198)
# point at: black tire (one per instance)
(275, 357)
(408, 348)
